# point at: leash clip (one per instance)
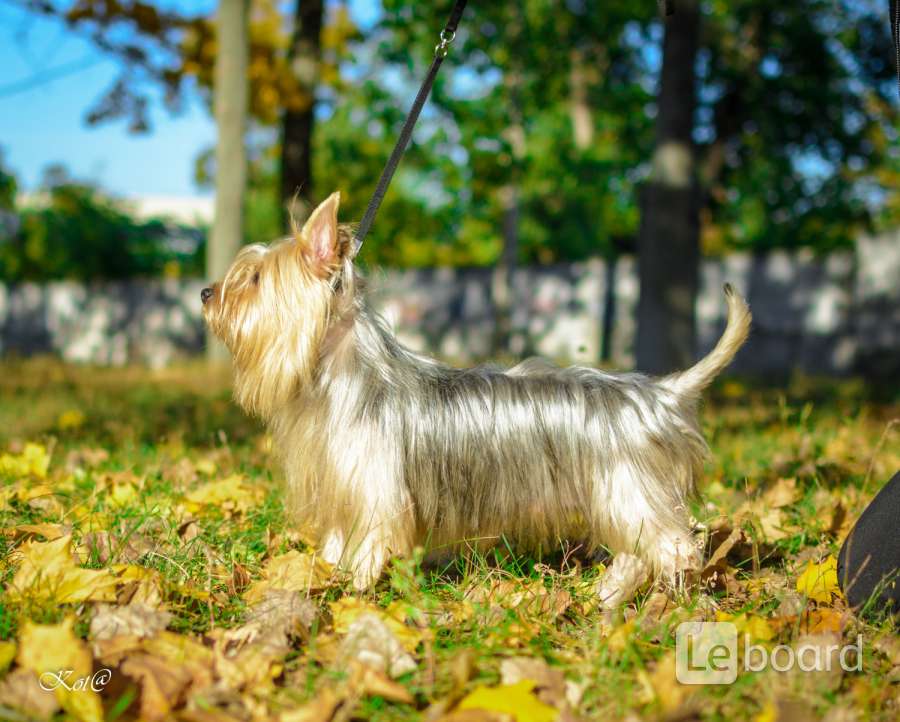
(443, 47)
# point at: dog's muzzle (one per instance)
(205, 295)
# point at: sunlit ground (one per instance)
(142, 532)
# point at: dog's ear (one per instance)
(319, 241)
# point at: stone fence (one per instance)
(836, 314)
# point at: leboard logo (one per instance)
(706, 653)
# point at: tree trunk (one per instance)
(668, 241)
(230, 110)
(579, 107)
(297, 123)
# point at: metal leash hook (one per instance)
(443, 47)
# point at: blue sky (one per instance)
(45, 124)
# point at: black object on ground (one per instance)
(869, 562)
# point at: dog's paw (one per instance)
(333, 547)
(620, 582)
(368, 563)
(677, 555)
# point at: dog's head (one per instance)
(274, 304)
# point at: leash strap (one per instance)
(440, 52)
(895, 36)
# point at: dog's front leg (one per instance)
(376, 524)
(364, 556)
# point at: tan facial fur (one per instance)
(385, 449)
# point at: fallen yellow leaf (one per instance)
(294, 571)
(46, 530)
(34, 460)
(233, 495)
(70, 419)
(663, 685)
(769, 713)
(347, 610)
(513, 699)
(48, 571)
(757, 627)
(819, 582)
(621, 637)
(7, 655)
(63, 664)
(205, 466)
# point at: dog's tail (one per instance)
(692, 381)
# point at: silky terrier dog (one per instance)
(385, 449)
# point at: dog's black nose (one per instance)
(205, 295)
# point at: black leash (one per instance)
(895, 36)
(440, 52)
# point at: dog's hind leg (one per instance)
(627, 520)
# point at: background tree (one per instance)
(297, 122)
(668, 243)
(230, 101)
(541, 125)
(76, 231)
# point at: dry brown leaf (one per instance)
(139, 585)
(20, 691)
(721, 552)
(366, 680)
(662, 684)
(239, 580)
(321, 709)
(722, 577)
(783, 492)
(133, 619)
(106, 547)
(842, 714)
(165, 667)
(162, 684)
(41, 497)
(189, 530)
(530, 597)
(251, 667)
(111, 652)
(476, 715)
(180, 474)
(654, 611)
(774, 526)
(821, 666)
(813, 621)
(182, 650)
(272, 620)
(78, 458)
(369, 640)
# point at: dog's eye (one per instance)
(256, 278)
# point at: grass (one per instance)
(133, 451)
